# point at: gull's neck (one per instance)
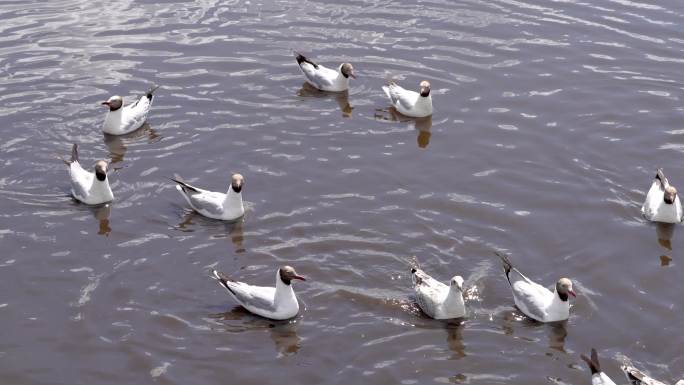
(113, 121)
(285, 297)
(101, 188)
(558, 308)
(232, 204)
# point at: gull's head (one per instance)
(288, 273)
(670, 195)
(101, 170)
(425, 88)
(236, 182)
(563, 288)
(114, 103)
(456, 282)
(347, 70)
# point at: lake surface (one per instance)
(550, 120)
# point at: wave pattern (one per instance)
(551, 118)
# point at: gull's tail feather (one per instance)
(593, 363)
(74, 155)
(303, 59)
(150, 92)
(661, 177)
(176, 178)
(507, 265)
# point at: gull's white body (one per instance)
(85, 187)
(88, 189)
(436, 299)
(224, 206)
(278, 303)
(655, 209)
(601, 379)
(324, 78)
(637, 377)
(407, 102)
(536, 301)
(128, 118)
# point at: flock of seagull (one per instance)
(436, 299)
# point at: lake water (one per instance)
(550, 120)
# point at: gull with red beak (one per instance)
(323, 78)
(536, 301)
(88, 187)
(410, 103)
(212, 204)
(277, 303)
(122, 120)
(662, 202)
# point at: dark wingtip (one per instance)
(150, 93)
(74, 153)
(593, 363)
(506, 262)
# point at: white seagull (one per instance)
(597, 376)
(213, 204)
(536, 301)
(323, 78)
(121, 120)
(87, 187)
(410, 103)
(436, 299)
(637, 377)
(662, 202)
(278, 303)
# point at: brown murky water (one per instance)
(551, 118)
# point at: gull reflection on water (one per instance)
(116, 144)
(226, 229)
(283, 333)
(342, 98)
(664, 233)
(101, 213)
(422, 125)
(454, 329)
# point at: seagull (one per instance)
(410, 103)
(536, 301)
(597, 376)
(436, 299)
(87, 187)
(637, 377)
(121, 120)
(212, 204)
(279, 303)
(323, 78)
(662, 202)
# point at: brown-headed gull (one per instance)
(213, 204)
(597, 376)
(436, 299)
(278, 303)
(323, 78)
(662, 202)
(87, 187)
(410, 103)
(122, 120)
(536, 301)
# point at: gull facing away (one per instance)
(122, 120)
(637, 377)
(277, 303)
(597, 376)
(410, 103)
(323, 78)
(436, 299)
(213, 204)
(87, 187)
(662, 202)
(536, 301)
